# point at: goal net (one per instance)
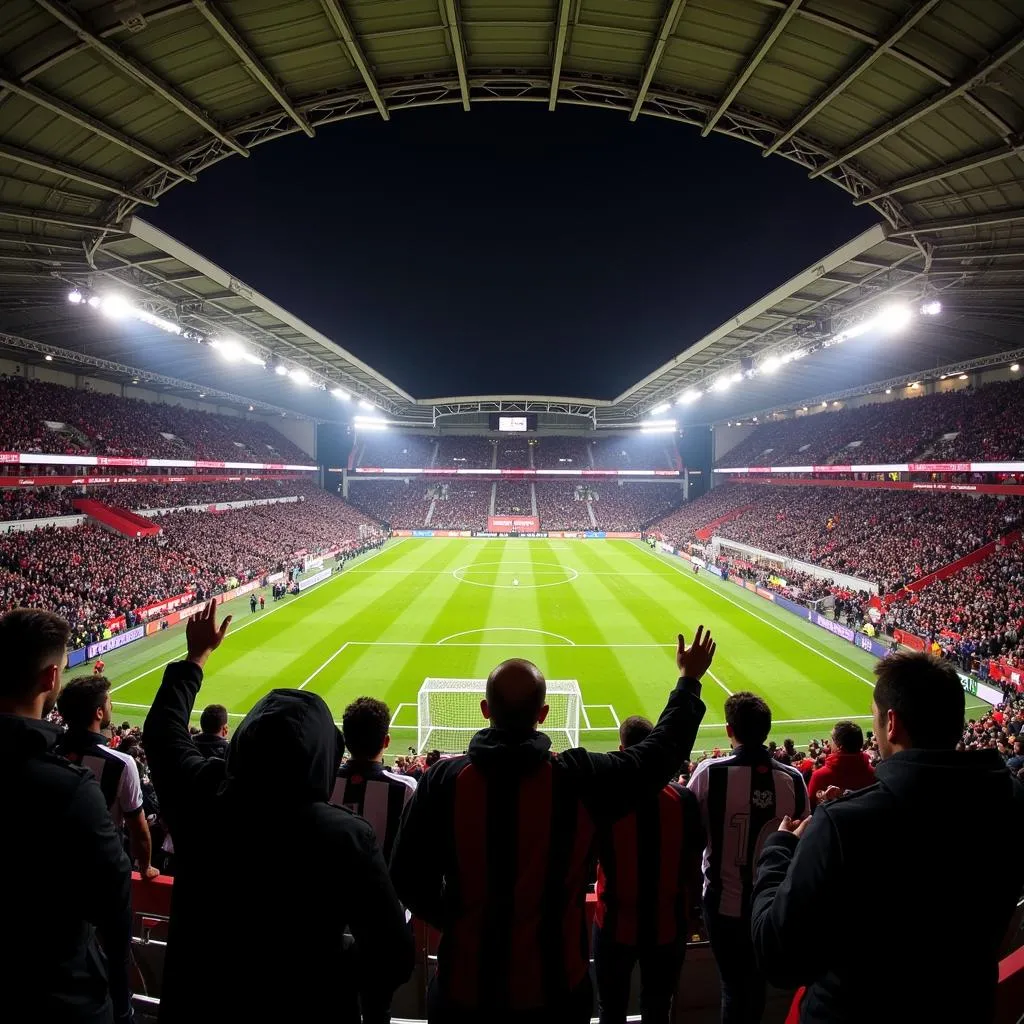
(448, 713)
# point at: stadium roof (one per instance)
(915, 108)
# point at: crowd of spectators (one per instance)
(48, 418)
(561, 453)
(388, 449)
(513, 452)
(680, 526)
(403, 506)
(563, 505)
(462, 505)
(977, 613)
(463, 451)
(629, 507)
(644, 451)
(89, 575)
(513, 497)
(963, 425)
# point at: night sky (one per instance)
(511, 250)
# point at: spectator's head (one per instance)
(84, 704)
(433, 756)
(365, 728)
(515, 697)
(918, 702)
(214, 720)
(847, 738)
(748, 719)
(634, 730)
(33, 643)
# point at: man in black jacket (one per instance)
(298, 870)
(928, 946)
(65, 873)
(212, 740)
(495, 847)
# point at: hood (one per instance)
(288, 745)
(978, 779)
(211, 746)
(24, 738)
(493, 750)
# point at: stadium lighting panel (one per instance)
(659, 409)
(1014, 367)
(770, 365)
(281, 370)
(341, 393)
(364, 404)
(75, 296)
(687, 397)
(931, 308)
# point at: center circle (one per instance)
(530, 578)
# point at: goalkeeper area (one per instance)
(421, 623)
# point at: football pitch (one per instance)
(602, 612)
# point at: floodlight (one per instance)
(932, 308)
(722, 384)
(963, 376)
(659, 409)
(364, 404)
(340, 393)
(736, 378)
(49, 359)
(281, 370)
(1014, 367)
(94, 301)
(299, 376)
(75, 296)
(687, 397)
(228, 350)
(251, 357)
(894, 318)
(770, 365)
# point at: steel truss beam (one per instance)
(67, 220)
(44, 163)
(929, 104)
(513, 405)
(338, 18)
(92, 124)
(669, 21)
(451, 11)
(131, 67)
(957, 223)
(121, 369)
(248, 57)
(558, 50)
(879, 49)
(949, 370)
(752, 63)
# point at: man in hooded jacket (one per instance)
(495, 847)
(268, 873)
(913, 939)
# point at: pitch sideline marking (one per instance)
(760, 618)
(317, 672)
(397, 712)
(720, 683)
(260, 617)
(505, 629)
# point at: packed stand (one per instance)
(630, 507)
(458, 451)
(513, 497)
(561, 453)
(403, 506)
(396, 451)
(513, 452)
(462, 505)
(973, 615)
(985, 425)
(563, 506)
(88, 575)
(87, 422)
(648, 451)
(680, 526)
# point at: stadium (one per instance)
(831, 476)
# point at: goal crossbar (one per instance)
(448, 713)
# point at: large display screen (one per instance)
(513, 424)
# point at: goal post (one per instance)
(448, 713)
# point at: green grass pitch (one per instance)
(603, 612)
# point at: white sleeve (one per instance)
(129, 790)
(698, 785)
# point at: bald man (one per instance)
(495, 847)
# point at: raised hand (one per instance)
(202, 635)
(695, 660)
(796, 827)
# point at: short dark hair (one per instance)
(749, 717)
(848, 736)
(365, 725)
(927, 695)
(213, 719)
(31, 639)
(81, 699)
(634, 730)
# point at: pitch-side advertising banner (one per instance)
(513, 524)
(121, 640)
(324, 574)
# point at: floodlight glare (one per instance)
(659, 409)
(75, 296)
(364, 404)
(281, 370)
(736, 378)
(114, 306)
(894, 318)
(340, 393)
(228, 350)
(687, 397)
(299, 376)
(251, 357)
(770, 365)
(722, 384)
(1014, 367)
(932, 308)
(94, 301)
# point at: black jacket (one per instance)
(212, 746)
(268, 875)
(495, 850)
(894, 904)
(66, 878)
